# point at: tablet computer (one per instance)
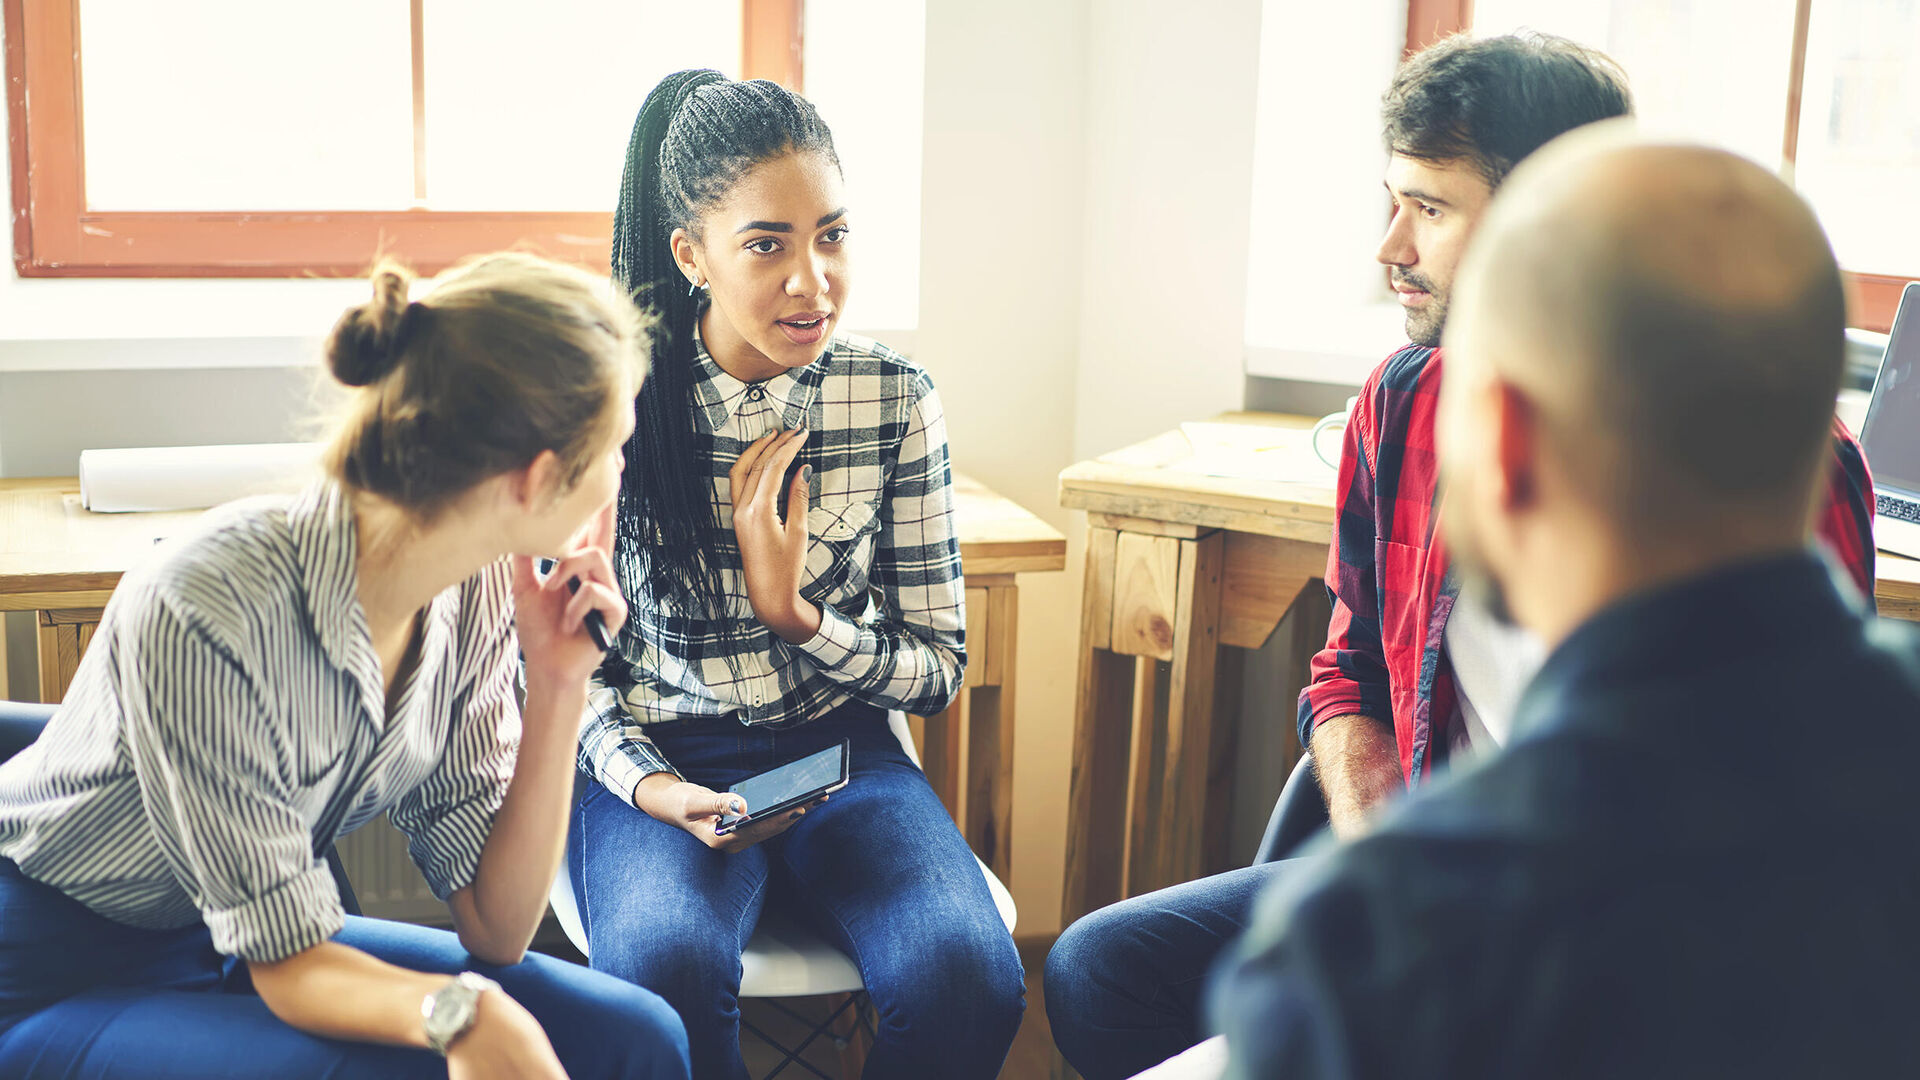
(782, 788)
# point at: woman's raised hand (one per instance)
(773, 551)
(551, 617)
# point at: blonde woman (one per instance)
(298, 665)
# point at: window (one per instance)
(1316, 297)
(1818, 89)
(1857, 149)
(234, 138)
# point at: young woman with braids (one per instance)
(787, 550)
(294, 667)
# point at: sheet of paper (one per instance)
(1255, 452)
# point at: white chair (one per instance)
(1205, 1061)
(783, 958)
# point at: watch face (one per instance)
(450, 1010)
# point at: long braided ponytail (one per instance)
(697, 134)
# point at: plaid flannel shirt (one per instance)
(883, 563)
(1391, 580)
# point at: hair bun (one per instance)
(368, 341)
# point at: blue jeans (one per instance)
(1125, 985)
(82, 996)
(879, 869)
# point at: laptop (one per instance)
(1891, 433)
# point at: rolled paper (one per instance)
(190, 477)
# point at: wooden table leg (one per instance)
(59, 656)
(1183, 834)
(989, 802)
(1229, 680)
(942, 753)
(1156, 694)
(1146, 788)
(64, 635)
(1096, 807)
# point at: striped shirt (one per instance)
(883, 563)
(229, 723)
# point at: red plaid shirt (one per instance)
(1389, 575)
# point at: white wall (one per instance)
(1003, 244)
(1170, 105)
(1087, 187)
(1088, 179)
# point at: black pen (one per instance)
(596, 623)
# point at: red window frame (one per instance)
(56, 235)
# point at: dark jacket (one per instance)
(1696, 857)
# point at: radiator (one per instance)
(386, 882)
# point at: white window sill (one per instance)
(156, 354)
(69, 324)
(1340, 347)
(88, 309)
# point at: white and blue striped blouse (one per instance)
(229, 722)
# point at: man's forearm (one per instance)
(1358, 763)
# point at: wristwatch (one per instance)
(450, 1010)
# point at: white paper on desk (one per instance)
(190, 477)
(1252, 452)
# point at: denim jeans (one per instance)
(1126, 984)
(82, 996)
(879, 869)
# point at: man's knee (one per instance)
(1091, 954)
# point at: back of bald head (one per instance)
(1676, 314)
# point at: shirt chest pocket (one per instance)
(840, 538)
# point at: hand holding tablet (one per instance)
(788, 787)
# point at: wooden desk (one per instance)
(1179, 564)
(63, 562)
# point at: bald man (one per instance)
(1694, 857)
